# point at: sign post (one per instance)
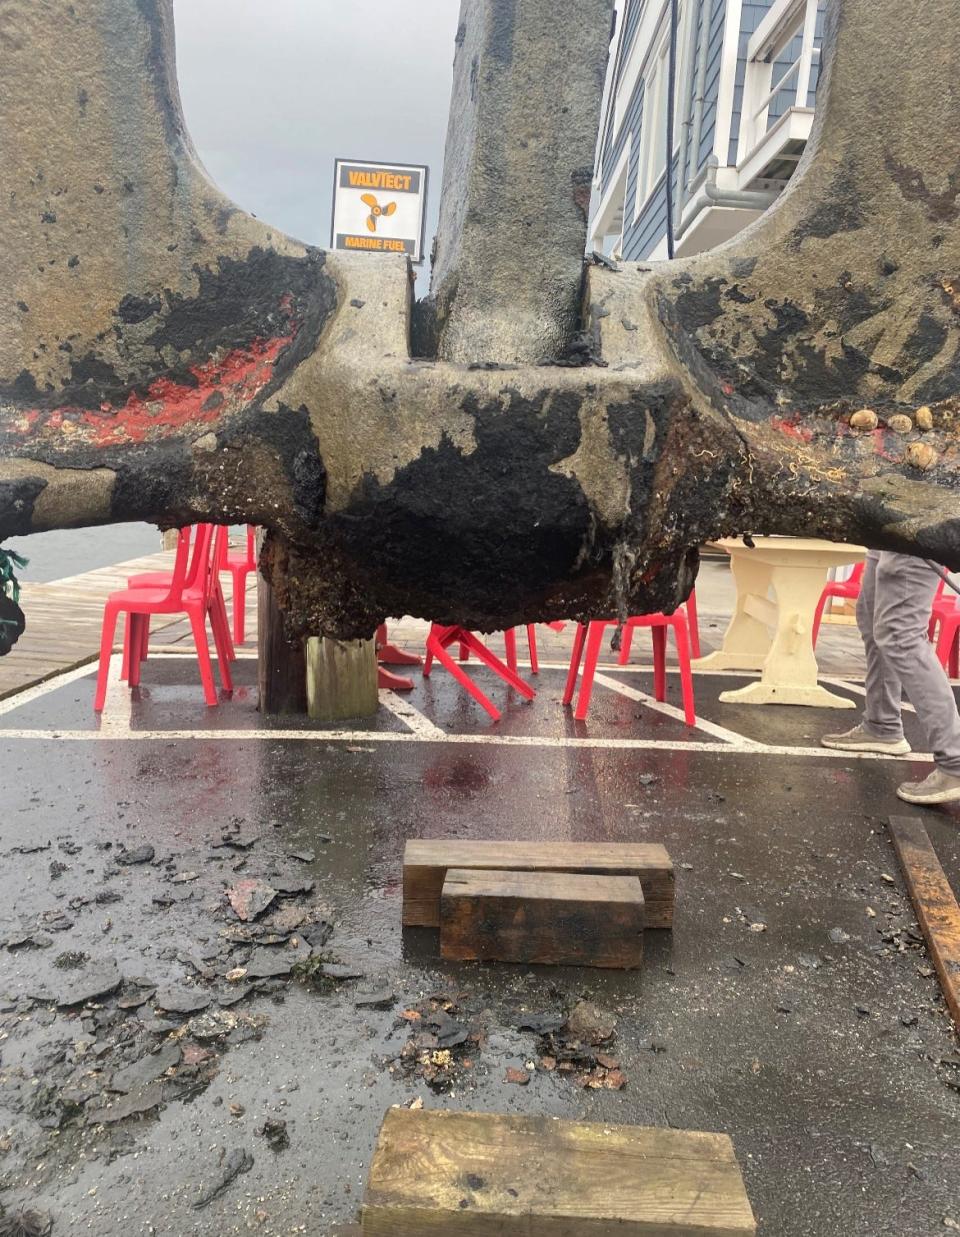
(379, 207)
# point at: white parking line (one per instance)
(859, 690)
(29, 694)
(416, 722)
(118, 705)
(115, 726)
(360, 737)
(172, 651)
(719, 732)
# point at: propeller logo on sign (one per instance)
(376, 210)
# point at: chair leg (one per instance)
(955, 654)
(388, 681)
(221, 641)
(944, 641)
(199, 625)
(110, 617)
(436, 649)
(576, 653)
(818, 618)
(239, 605)
(136, 649)
(510, 646)
(435, 632)
(532, 646)
(145, 633)
(464, 652)
(128, 625)
(686, 674)
(693, 620)
(218, 616)
(626, 639)
(590, 658)
(500, 668)
(659, 662)
(389, 655)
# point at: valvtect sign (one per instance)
(379, 208)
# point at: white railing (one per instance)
(780, 60)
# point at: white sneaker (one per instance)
(938, 787)
(860, 740)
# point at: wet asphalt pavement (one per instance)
(793, 1006)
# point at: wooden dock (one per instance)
(64, 619)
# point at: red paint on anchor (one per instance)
(792, 429)
(168, 406)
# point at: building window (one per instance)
(653, 128)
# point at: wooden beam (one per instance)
(934, 901)
(426, 863)
(550, 918)
(474, 1174)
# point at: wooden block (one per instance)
(934, 901)
(554, 918)
(477, 1174)
(425, 866)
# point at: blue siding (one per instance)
(631, 20)
(783, 100)
(711, 87)
(642, 237)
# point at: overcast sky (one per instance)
(275, 90)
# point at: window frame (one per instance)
(658, 68)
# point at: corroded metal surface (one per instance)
(165, 356)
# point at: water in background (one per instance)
(69, 552)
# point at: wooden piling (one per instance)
(282, 665)
(341, 678)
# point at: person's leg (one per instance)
(882, 727)
(905, 589)
(882, 714)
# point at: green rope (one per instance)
(9, 584)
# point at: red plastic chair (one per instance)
(693, 630)
(693, 624)
(944, 628)
(196, 601)
(586, 645)
(389, 655)
(510, 644)
(163, 579)
(942, 607)
(438, 642)
(239, 566)
(848, 589)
